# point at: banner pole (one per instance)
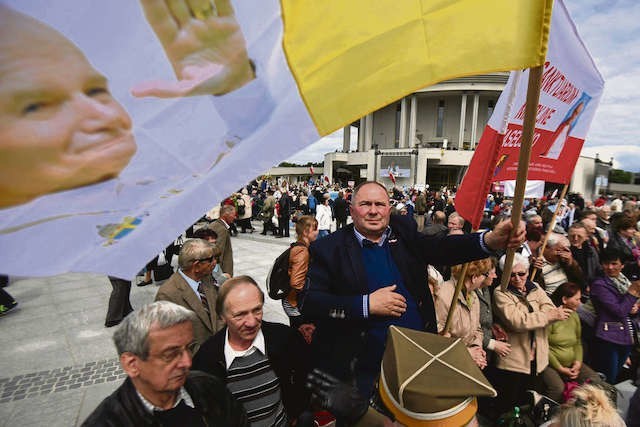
(453, 305)
(552, 224)
(528, 130)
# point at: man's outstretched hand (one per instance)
(500, 237)
(205, 46)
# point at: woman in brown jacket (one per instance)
(524, 310)
(307, 232)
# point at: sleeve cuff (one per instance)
(365, 306)
(483, 245)
(492, 344)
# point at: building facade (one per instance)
(429, 136)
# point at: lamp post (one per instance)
(376, 153)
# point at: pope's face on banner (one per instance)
(60, 127)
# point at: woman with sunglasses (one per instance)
(525, 310)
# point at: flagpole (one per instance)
(552, 224)
(453, 305)
(528, 130)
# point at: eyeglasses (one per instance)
(210, 259)
(519, 274)
(174, 354)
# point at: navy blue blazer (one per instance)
(337, 281)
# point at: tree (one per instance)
(618, 176)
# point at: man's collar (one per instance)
(182, 395)
(193, 284)
(230, 354)
(224, 222)
(380, 242)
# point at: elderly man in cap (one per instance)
(155, 345)
(373, 274)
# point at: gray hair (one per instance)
(359, 186)
(131, 336)
(529, 219)
(518, 259)
(458, 218)
(554, 239)
(192, 250)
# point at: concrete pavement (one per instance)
(57, 361)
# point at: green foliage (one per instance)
(618, 176)
(293, 165)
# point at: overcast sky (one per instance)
(611, 32)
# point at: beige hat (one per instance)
(430, 380)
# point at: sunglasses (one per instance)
(519, 274)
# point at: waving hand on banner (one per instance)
(205, 46)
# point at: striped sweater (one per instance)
(253, 382)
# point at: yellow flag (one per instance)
(351, 57)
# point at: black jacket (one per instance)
(287, 354)
(211, 398)
(340, 209)
(285, 205)
(338, 280)
(589, 262)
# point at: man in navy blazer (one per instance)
(372, 274)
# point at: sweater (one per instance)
(382, 271)
(253, 382)
(565, 346)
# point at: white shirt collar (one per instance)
(193, 284)
(182, 395)
(225, 223)
(230, 354)
(360, 237)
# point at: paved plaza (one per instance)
(57, 361)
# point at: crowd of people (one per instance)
(364, 260)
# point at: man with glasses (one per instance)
(155, 344)
(192, 287)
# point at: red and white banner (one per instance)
(571, 89)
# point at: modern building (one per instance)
(429, 136)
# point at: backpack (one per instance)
(278, 280)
